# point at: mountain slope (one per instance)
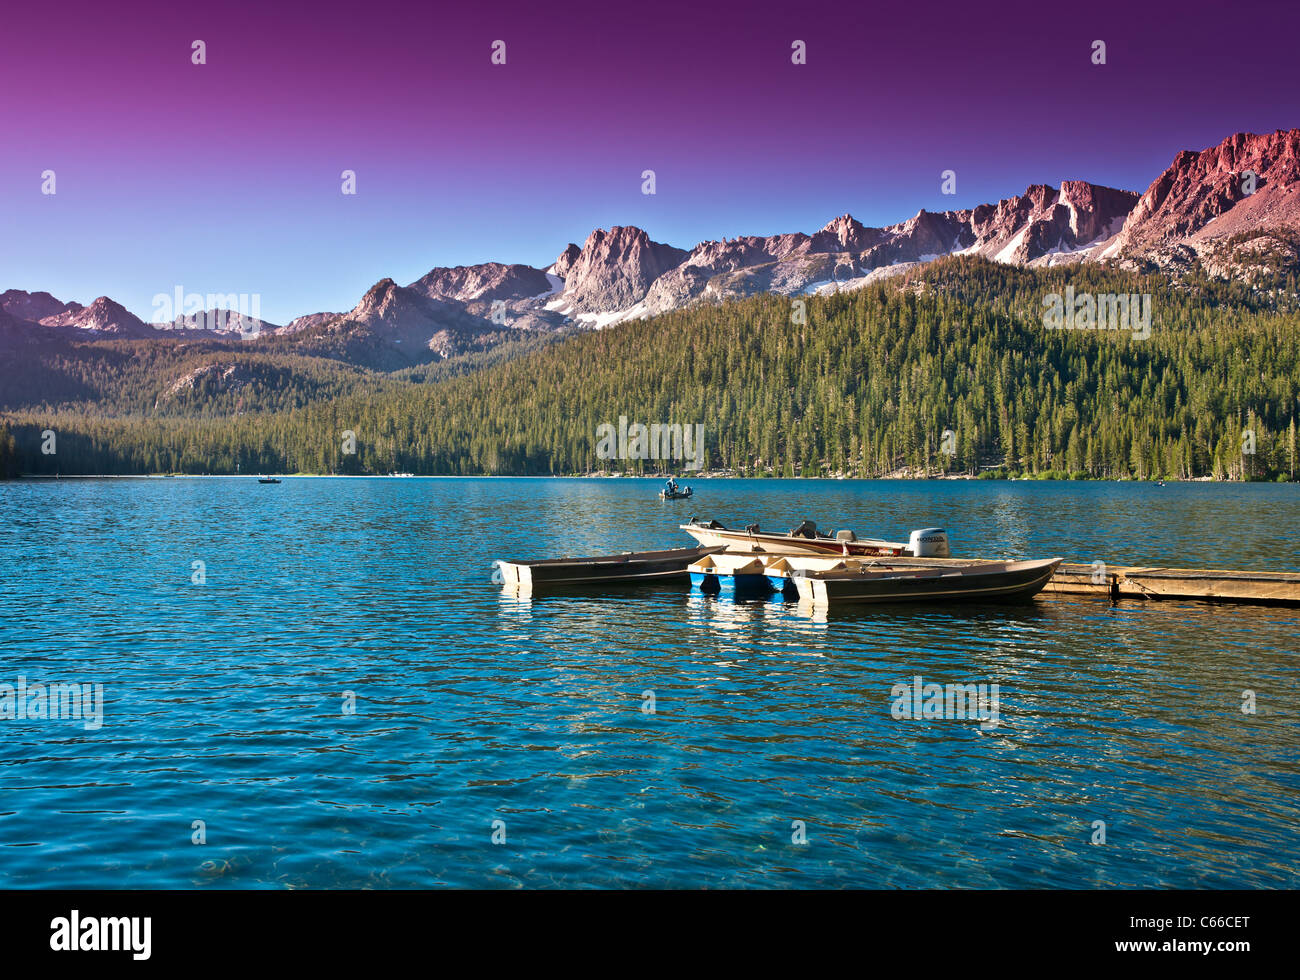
(1198, 214)
(103, 317)
(1206, 197)
(34, 306)
(394, 327)
(866, 388)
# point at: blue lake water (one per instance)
(481, 714)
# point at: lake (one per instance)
(316, 684)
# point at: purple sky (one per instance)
(226, 177)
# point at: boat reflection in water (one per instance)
(724, 612)
(987, 614)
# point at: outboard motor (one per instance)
(808, 529)
(929, 542)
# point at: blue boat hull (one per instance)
(735, 586)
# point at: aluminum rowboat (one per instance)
(632, 566)
(1004, 581)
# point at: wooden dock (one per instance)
(1110, 582)
(1117, 582)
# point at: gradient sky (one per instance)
(226, 177)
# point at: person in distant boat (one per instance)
(671, 484)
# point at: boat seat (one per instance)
(751, 529)
(845, 535)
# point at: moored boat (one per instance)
(732, 575)
(808, 540)
(987, 581)
(630, 567)
(779, 572)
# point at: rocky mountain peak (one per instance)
(103, 316)
(1247, 182)
(34, 306)
(486, 282)
(1095, 212)
(565, 261)
(615, 268)
(386, 300)
(847, 230)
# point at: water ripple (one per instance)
(346, 701)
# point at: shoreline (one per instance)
(56, 478)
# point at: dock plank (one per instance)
(1162, 583)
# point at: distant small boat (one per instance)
(401, 474)
(676, 494)
(267, 479)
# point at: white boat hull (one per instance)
(751, 542)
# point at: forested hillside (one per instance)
(185, 377)
(865, 387)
